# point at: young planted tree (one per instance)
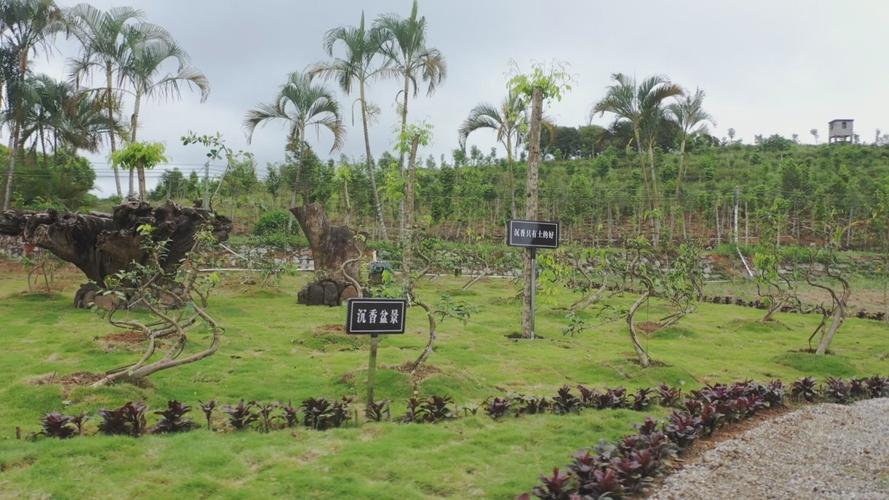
(413, 137)
(510, 122)
(536, 88)
(823, 273)
(361, 62)
(774, 286)
(139, 157)
(408, 57)
(683, 283)
(642, 268)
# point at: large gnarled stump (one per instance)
(334, 250)
(102, 244)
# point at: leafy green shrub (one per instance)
(272, 222)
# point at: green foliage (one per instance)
(61, 180)
(145, 155)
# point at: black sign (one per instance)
(532, 234)
(375, 316)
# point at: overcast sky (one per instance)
(767, 66)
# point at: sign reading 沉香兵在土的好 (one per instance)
(373, 316)
(532, 234)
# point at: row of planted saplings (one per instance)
(321, 414)
(628, 467)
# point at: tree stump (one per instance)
(333, 247)
(101, 245)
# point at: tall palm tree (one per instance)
(640, 104)
(359, 64)
(143, 71)
(106, 38)
(409, 59)
(507, 121)
(301, 104)
(688, 113)
(28, 26)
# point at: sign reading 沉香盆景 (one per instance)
(373, 316)
(532, 234)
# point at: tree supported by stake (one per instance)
(102, 244)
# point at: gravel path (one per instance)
(821, 451)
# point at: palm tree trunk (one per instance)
(370, 167)
(10, 173)
(681, 174)
(111, 135)
(509, 163)
(531, 207)
(134, 126)
(407, 243)
(401, 154)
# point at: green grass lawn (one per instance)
(276, 350)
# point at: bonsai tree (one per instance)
(156, 287)
(682, 283)
(823, 273)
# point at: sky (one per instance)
(767, 66)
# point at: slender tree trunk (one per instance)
(511, 166)
(10, 172)
(680, 176)
(134, 126)
(401, 208)
(644, 360)
(531, 207)
(112, 137)
(407, 234)
(370, 166)
(655, 200)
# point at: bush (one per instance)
(274, 222)
(128, 420)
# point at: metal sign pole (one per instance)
(372, 368)
(533, 290)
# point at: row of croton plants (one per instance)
(627, 468)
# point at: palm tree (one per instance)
(301, 104)
(142, 70)
(688, 113)
(27, 26)
(640, 104)
(508, 122)
(409, 58)
(106, 38)
(60, 117)
(359, 64)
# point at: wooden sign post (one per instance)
(375, 317)
(532, 235)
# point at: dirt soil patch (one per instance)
(425, 370)
(648, 327)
